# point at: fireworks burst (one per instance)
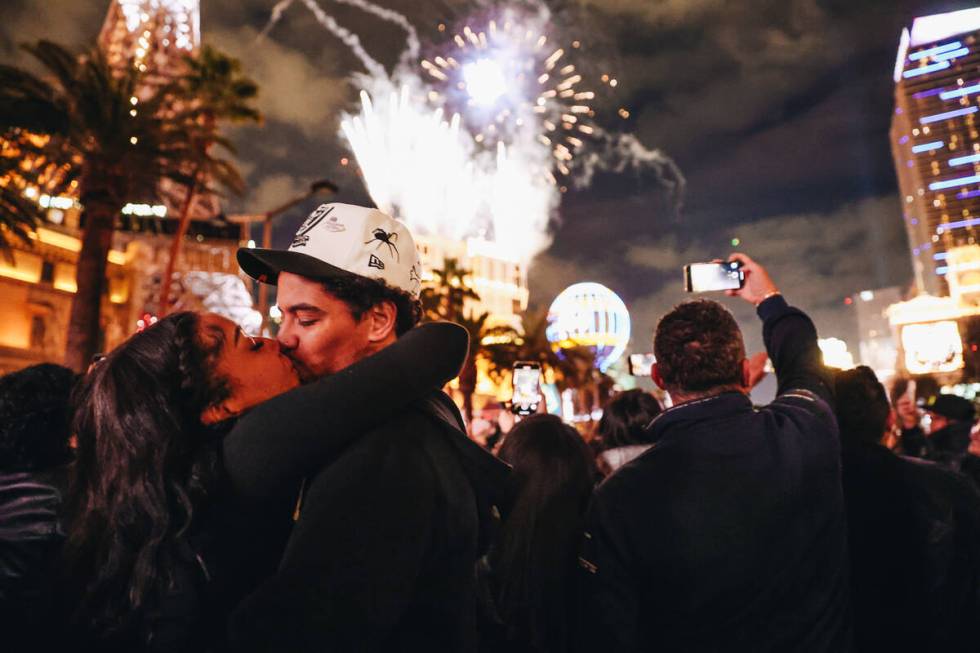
(509, 82)
(467, 141)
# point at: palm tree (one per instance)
(216, 91)
(444, 300)
(474, 325)
(573, 368)
(26, 172)
(123, 147)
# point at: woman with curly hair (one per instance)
(190, 460)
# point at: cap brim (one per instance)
(264, 265)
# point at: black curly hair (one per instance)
(625, 419)
(861, 405)
(699, 348)
(361, 294)
(145, 462)
(35, 417)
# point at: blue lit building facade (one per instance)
(935, 136)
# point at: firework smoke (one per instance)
(480, 138)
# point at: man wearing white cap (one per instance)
(383, 554)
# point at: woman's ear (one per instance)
(218, 412)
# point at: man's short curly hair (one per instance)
(35, 417)
(361, 294)
(699, 347)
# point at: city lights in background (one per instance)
(835, 353)
(932, 348)
(935, 140)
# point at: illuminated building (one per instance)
(876, 336)
(935, 139)
(37, 288)
(499, 279)
(37, 285)
(152, 34)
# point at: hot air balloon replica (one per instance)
(593, 316)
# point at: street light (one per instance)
(324, 186)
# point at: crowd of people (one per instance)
(200, 489)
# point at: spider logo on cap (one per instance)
(385, 238)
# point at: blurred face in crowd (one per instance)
(975, 441)
(937, 422)
(254, 368)
(318, 331)
(906, 411)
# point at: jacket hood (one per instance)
(489, 476)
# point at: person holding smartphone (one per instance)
(730, 533)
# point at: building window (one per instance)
(47, 272)
(38, 331)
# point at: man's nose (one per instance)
(286, 340)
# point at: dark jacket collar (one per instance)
(720, 405)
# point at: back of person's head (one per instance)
(139, 466)
(862, 405)
(534, 558)
(625, 419)
(35, 418)
(699, 349)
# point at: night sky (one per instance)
(777, 113)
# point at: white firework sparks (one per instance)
(510, 82)
(473, 140)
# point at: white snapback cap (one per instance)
(339, 240)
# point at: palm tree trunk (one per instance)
(175, 244)
(83, 324)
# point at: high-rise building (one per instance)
(935, 139)
(154, 36)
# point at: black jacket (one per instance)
(237, 537)
(383, 557)
(914, 535)
(729, 534)
(30, 538)
(947, 446)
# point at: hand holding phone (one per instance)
(718, 275)
(527, 378)
(758, 286)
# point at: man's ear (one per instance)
(219, 412)
(748, 379)
(655, 375)
(384, 318)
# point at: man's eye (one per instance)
(257, 345)
(306, 323)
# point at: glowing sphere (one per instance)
(590, 315)
(485, 81)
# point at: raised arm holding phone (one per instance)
(729, 534)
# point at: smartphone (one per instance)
(527, 380)
(641, 364)
(707, 277)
